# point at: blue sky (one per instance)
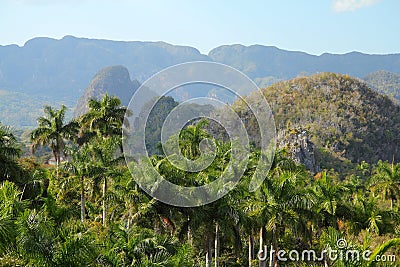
(313, 26)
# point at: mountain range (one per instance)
(61, 71)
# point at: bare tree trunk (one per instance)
(216, 250)
(208, 249)
(82, 201)
(104, 202)
(190, 235)
(262, 255)
(251, 249)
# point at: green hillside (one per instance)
(22, 110)
(346, 120)
(385, 82)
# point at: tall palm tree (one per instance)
(9, 151)
(281, 204)
(387, 181)
(53, 131)
(82, 167)
(105, 159)
(105, 116)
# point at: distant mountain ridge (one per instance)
(65, 67)
(61, 70)
(259, 61)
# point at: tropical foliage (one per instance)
(89, 211)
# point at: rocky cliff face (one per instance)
(300, 148)
(115, 81)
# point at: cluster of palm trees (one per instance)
(93, 139)
(88, 210)
(9, 151)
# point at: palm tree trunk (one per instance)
(82, 201)
(57, 159)
(23, 191)
(251, 249)
(190, 234)
(104, 202)
(262, 255)
(208, 249)
(216, 251)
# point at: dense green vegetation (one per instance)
(89, 211)
(385, 82)
(347, 121)
(22, 110)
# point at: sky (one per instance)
(312, 26)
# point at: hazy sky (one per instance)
(313, 26)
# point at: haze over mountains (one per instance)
(61, 70)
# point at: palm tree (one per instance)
(227, 220)
(10, 200)
(35, 238)
(81, 167)
(53, 131)
(331, 202)
(369, 215)
(9, 151)
(282, 203)
(106, 160)
(190, 139)
(74, 246)
(132, 204)
(105, 116)
(138, 247)
(387, 181)
(8, 143)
